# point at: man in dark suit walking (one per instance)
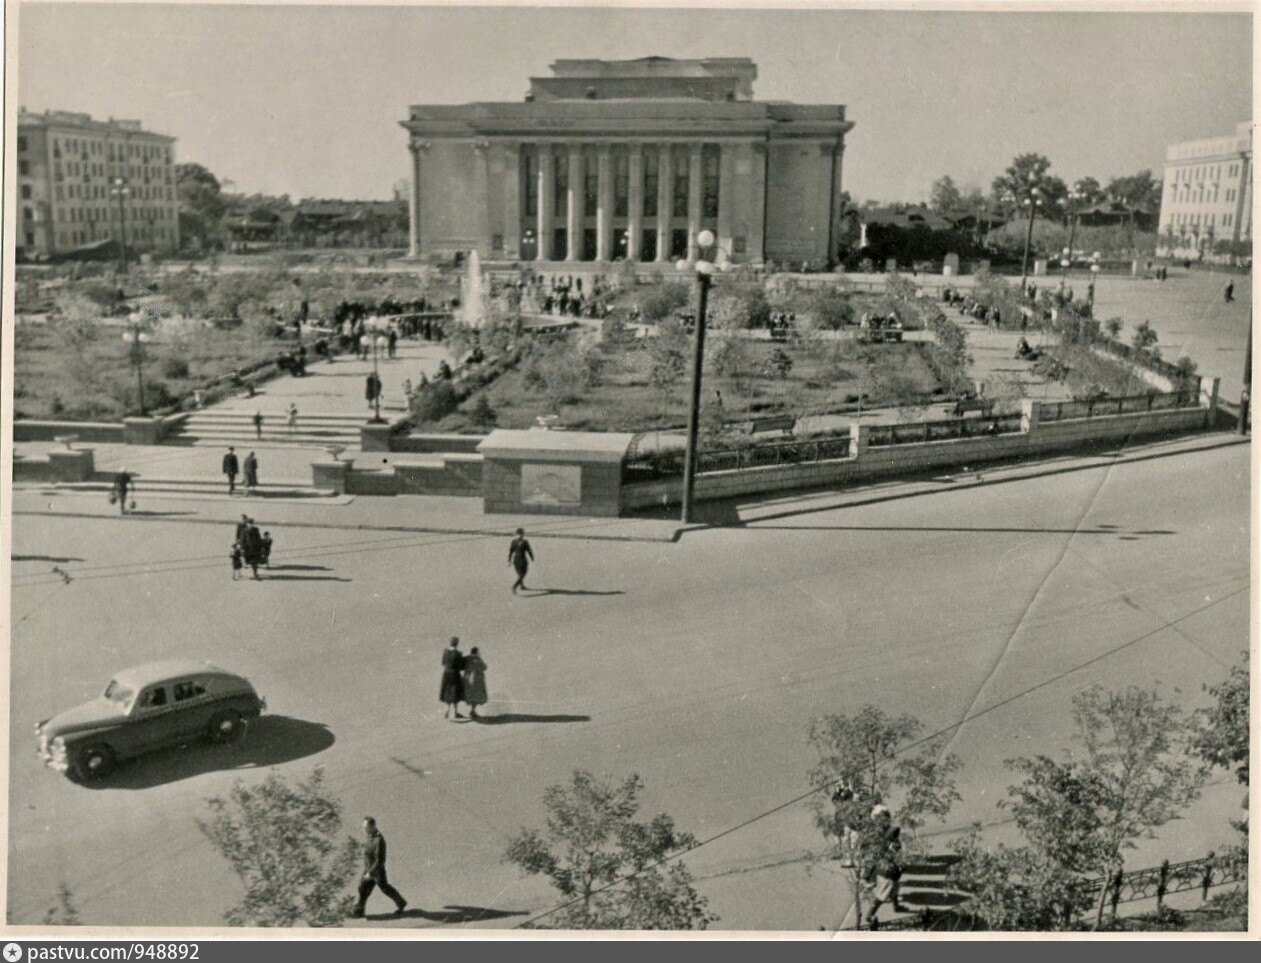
(231, 468)
(374, 871)
(520, 555)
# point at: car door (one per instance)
(154, 719)
(192, 708)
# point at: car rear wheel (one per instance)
(95, 762)
(226, 727)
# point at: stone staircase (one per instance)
(198, 488)
(222, 428)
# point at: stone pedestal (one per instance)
(71, 465)
(142, 431)
(331, 475)
(951, 265)
(857, 438)
(375, 437)
(1029, 410)
(553, 472)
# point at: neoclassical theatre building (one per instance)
(606, 160)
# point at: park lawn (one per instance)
(91, 377)
(824, 376)
(1088, 372)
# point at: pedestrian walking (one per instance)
(252, 547)
(888, 862)
(372, 388)
(293, 417)
(451, 692)
(474, 681)
(258, 424)
(392, 342)
(251, 472)
(520, 555)
(231, 468)
(407, 387)
(122, 485)
(374, 876)
(1230, 292)
(266, 546)
(237, 561)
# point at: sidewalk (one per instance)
(464, 516)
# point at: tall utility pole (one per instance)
(694, 408)
(1245, 396)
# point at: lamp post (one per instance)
(1033, 202)
(121, 191)
(1245, 396)
(704, 277)
(136, 339)
(1094, 275)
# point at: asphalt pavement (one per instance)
(697, 661)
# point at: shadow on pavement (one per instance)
(151, 514)
(269, 741)
(977, 530)
(45, 558)
(449, 914)
(540, 592)
(304, 578)
(509, 718)
(297, 568)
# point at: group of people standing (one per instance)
(463, 680)
(233, 467)
(249, 547)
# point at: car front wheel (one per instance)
(227, 727)
(95, 762)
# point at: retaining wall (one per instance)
(868, 464)
(98, 431)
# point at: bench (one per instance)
(782, 423)
(964, 405)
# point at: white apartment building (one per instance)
(82, 181)
(1206, 206)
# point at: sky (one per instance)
(306, 100)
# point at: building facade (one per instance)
(613, 160)
(1206, 204)
(83, 181)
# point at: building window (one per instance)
(590, 185)
(30, 239)
(739, 244)
(23, 167)
(27, 215)
(621, 184)
(711, 171)
(26, 192)
(682, 162)
(560, 186)
(497, 242)
(531, 168)
(651, 172)
(21, 143)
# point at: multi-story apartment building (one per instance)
(1206, 207)
(82, 181)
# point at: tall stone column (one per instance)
(482, 149)
(574, 211)
(635, 200)
(665, 199)
(757, 233)
(510, 226)
(413, 211)
(838, 207)
(547, 177)
(693, 199)
(604, 203)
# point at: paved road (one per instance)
(698, 665)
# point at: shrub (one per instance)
(831, 310)
(174, 367)
(483, 414)
(435, 401)
(663, 300)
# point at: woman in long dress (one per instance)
(474, 682)
(452, 690)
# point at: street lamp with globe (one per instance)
(1033, 203)
(1094, 274)
(710, 258)
(136, 338)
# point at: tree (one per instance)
(201, 204)
(1140, 190)
(610, 868)
(1222, 734)
(286, 845)
(668, 359)
(945, 196)
(1013, 186)
(1144, 336)
(1113, 326)
(869, 758)
(1089, 192)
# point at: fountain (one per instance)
(474, 295)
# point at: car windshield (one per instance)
(119, 693)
